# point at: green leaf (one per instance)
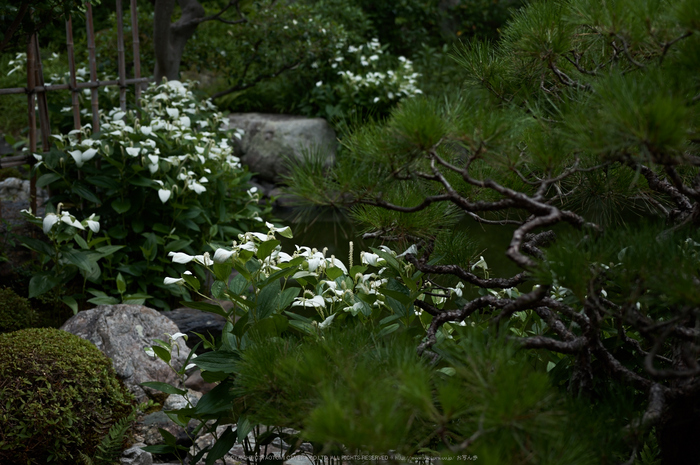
(357, 269)
(272, 326)
(117, 232)
(163, 387)
(192, 281)
(141, 181)
(81, 242)
(224, 362)
(288, 296)
(244, 428)
(78, 258)
(71, 302)
(107, 250)
(388, 330)
(104, 300)
(266, 248)
(334, 272)
(42, 283)
(238, 284)
(162, 353)
(47, 179)
(217, 400)
(268, 300)
(222, 271)
(205, 307)
(121, 205)
(218, 289)
(179, 244)
(36, 245)
(83, 191)
(121, 283)
(104, 181)
(221, 447)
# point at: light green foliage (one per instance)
(160, 179)
(59, 396)
(15, 311)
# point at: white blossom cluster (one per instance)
(189, 130)
(335, 290)
(367, 72)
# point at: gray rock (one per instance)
(270, 140)
(190, 321)
(15, 189)
(136, 456)
(122, 332)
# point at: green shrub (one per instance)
(15, 311)
(148, 183)
(59, 396)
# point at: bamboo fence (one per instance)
(36, 89)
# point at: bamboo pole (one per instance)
(135, 43)
(71, 68)
(44, 123)
(31, 102)
(120, 56)
(93, 68)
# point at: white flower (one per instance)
(177, 336)
(173, 112)
(164, 194)
(222, 255)
(167, 281)
(249, 246)
(146, 130)
(70, 220)
(315, 261)
(185, 121)
(319, 83)
(149, 350)
(49, 220)
(93, 224)
(371, 259)
(204, 259)
(480, 264)
(118, 116)
(82, 157)
(286, 230)
(316, 302)
(180, 257)
(133, 151)
(197, 187)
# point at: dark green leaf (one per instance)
(205, 307)
(221, 361)
(104, 300)
(42, 283)
(47, 179)
(268, 300)
(222, 446)
(83, 191)
(162, 353)
(121, 205)
(266, 248)
(164, 387)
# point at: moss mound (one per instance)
(59, 395)
(15, 311)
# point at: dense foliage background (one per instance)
(571, 126)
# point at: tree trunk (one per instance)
(169, 39)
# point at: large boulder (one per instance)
(270, 140)
(122, 332)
